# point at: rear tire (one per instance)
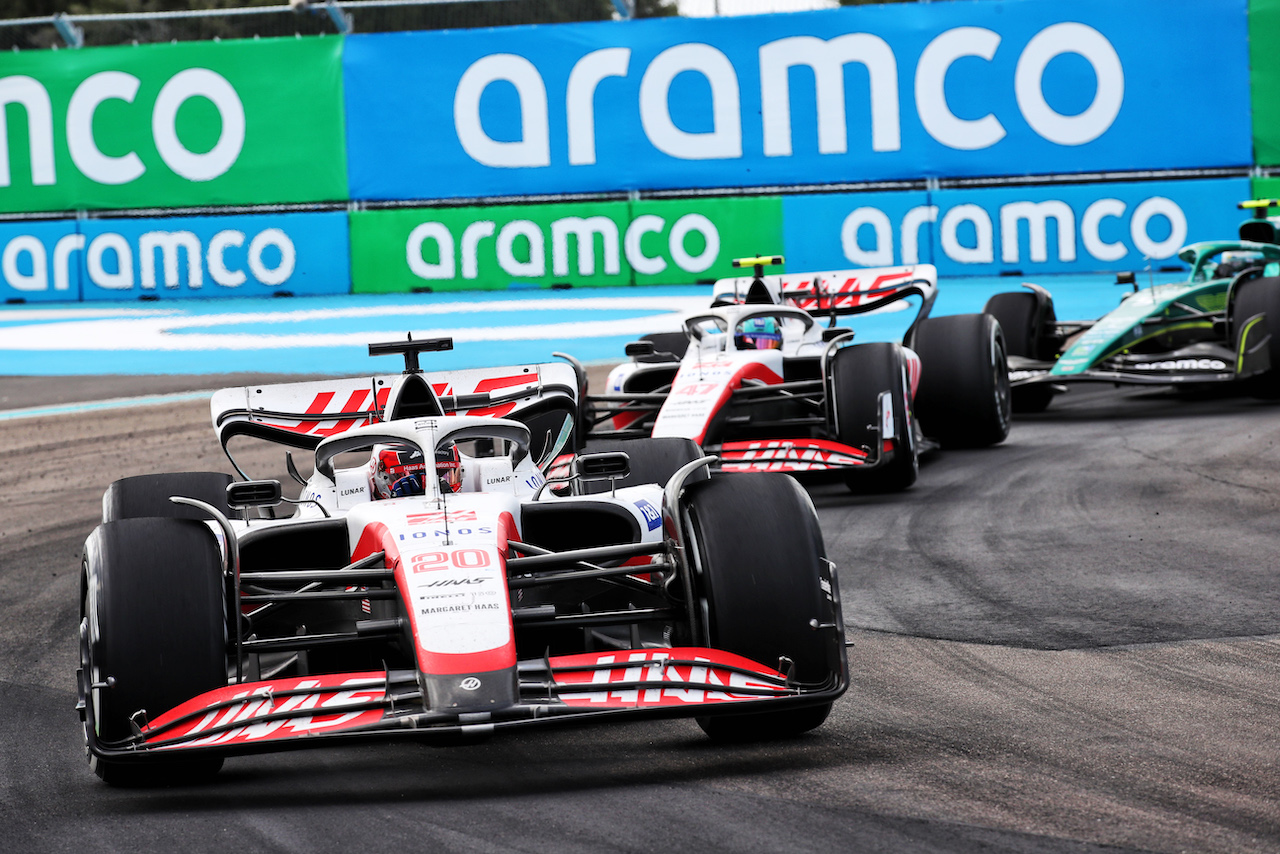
(1025, 318)
(148, 495)
(761, 584)
(1259, 296)
(860, 373)
(154, 620)
(652, 461)
(963, 400)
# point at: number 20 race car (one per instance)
(1212, 329)
(429, 582)
(757, 382)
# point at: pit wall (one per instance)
(935, 102)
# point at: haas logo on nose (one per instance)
(471, 683)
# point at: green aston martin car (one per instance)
(1213, 328)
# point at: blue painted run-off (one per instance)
(328, 335)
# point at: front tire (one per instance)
(860, 373)
(963, 399)
(760, 585)
(154, 627)
(1250, 298)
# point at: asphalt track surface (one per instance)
(1070, 643)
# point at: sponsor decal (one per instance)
(1026, 375)
(789, 455)
(356, 402)
(438, 517)
(651, 515)
(843, 289)
(329, 708)
(471, 683)
(702, 678)
(1182, 365)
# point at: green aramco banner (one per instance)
(1264, 28)
(583, 244)
(193, 123)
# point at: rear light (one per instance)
(888, 446)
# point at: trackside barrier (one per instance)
(1020, 137)
(983, 231)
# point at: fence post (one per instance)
(71, 34)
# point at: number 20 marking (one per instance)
(462, 559)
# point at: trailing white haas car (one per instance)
(429, 582)
(756, 381)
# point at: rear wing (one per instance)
(832, 292)
(300, 415)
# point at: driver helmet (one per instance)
(1231, 264)
(449, 468)
(397, 472)
(759, 333)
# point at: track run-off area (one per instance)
(328, 335)
(1066, 643)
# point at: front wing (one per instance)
(312, 711)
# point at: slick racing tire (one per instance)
(860, 373)
(651, 460)
(1023, 320)
(153, 635)
(1024, 317)
(148, 495)
(761, 579)
(1259, 296)
(963, 400)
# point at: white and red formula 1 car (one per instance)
(756, 381)
(429, 582)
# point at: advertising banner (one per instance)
(1013, 230)
(114, 259)
(172, 125)
(862, 93)
(36, 263)
(1264, 27)
(1266, 188)
(580, 244)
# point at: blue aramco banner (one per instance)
(1064, 228)
(902, 91)
(251, 255)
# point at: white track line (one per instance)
(94, 405)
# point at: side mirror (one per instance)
(831, 333)
(609, 465)
(640, 348)
(1127, 279)
(254, 493)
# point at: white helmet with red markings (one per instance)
(396, 471)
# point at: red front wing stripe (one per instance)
(304, 706)
(790, 455)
